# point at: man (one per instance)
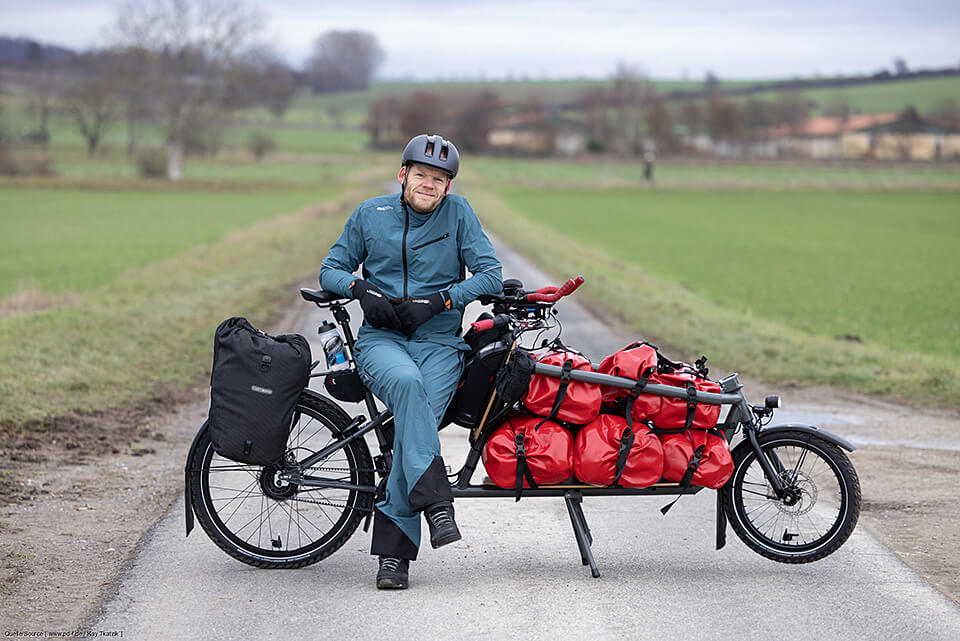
(414, 247)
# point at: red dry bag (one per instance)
(609, 452)
(696, 457)
(519, 455)
(687, 412)
(579, 402)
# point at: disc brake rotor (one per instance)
(803, 491)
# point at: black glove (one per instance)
(377, 309)
(414, 312)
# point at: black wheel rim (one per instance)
(814, 510)
(286, 523)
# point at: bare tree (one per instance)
(343, 61)
(596, 100)
(422, 113)
(660, 124)
(261, 77)
(792, 109)
(42, 84)
(191, 47)
(631, 93)
(92, 96)
(383, 123)
(472, 126)
(900, 67)
(691, 116)
(724, 119)
(758, 115)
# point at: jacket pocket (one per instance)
(429, 242)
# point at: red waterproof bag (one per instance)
(633, 361)
(684, 413)
(517, 455)
(580, 402)
(696, 457)
(610, 452)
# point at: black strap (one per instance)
(523, 470)
(691, 404)
(561, 393)
(626, 444)
(635, 392)
(687, 479)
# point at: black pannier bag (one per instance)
(254, 387)
(488, 350)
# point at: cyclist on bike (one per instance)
(414, 247)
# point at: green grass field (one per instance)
(70, 240)
(871, 265)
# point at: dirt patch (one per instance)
(30, 300)
(909, 503)
(75, 506)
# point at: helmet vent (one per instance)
(429, 150)
(443, 152)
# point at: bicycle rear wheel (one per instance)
(818, 512)
(264, 521)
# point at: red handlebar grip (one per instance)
(483, 325)
(553, 294)
(568, 287)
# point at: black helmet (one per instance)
(432, 151)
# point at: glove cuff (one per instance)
(440, 302)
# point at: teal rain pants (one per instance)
(416, 380)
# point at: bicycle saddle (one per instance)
(321, 296)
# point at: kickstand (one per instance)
(573, 499)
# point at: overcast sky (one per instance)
(562, 39)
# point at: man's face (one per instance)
(425, 188)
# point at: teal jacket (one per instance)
(406, 253)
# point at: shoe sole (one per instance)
(453, 537)
(386, 584)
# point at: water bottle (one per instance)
(332, 345)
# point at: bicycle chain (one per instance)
(328, 503)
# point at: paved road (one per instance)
(517, 572)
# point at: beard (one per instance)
(420, 203)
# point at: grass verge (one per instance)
(153, 326)
(671, 313)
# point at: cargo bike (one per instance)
(792, 496)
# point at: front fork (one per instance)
(743, 414)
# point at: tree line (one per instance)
(627, 116)
(184, 66)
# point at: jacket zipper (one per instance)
(406, 227)
(429, 242)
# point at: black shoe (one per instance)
(443, 529)
(394, 573)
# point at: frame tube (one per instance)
(627, 383)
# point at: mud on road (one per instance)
(77, 494)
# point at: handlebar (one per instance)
(497, 321)
(553, 294)
(542, 295)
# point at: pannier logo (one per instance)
(261, 390)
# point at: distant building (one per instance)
(881, 136)
(537, 134)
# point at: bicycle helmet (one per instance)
(433, 151)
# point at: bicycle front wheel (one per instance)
(819, 510)
(258, 518)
